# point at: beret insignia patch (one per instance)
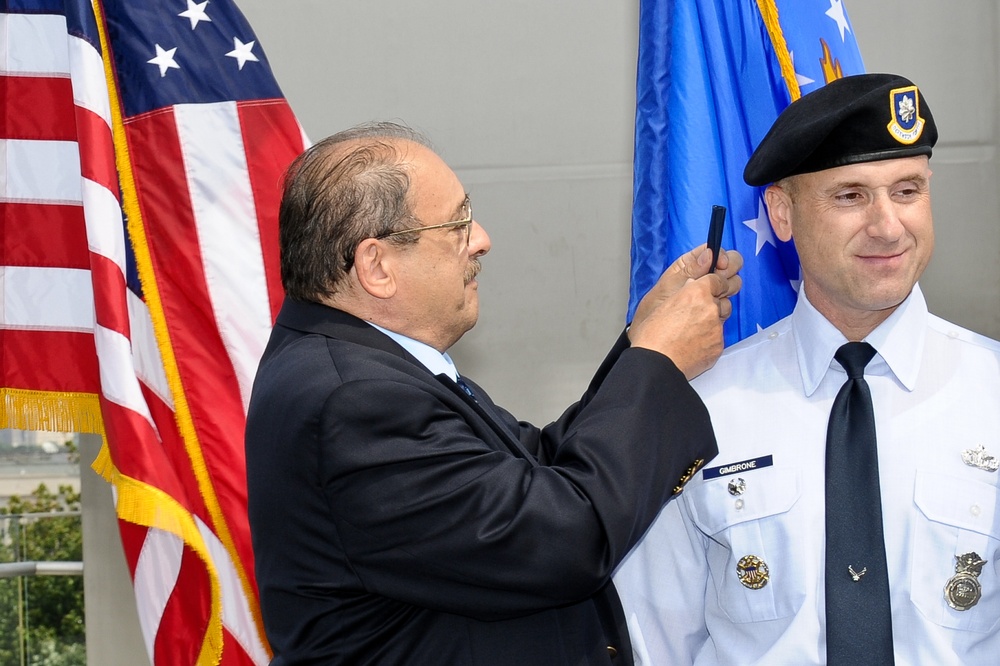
(852, 120)
(906, 125)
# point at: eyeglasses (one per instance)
(465, 224)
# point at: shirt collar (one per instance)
(437, 362)
(899, 341)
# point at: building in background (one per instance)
(31, 458)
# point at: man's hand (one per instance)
(682, 314)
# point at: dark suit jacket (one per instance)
(396, 520)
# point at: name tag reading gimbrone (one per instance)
(737, 467)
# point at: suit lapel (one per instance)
(486, 411)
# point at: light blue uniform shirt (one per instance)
(936, 393)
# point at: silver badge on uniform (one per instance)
(978, 457)
(753, 572)
(737, 486)
(963, 590)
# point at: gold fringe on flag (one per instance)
(142, 504)
(51, 411)
(138, 502)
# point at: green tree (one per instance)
(43, 613)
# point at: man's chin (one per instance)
(472, 311)
(468, 324)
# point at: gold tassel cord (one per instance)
(769, 12)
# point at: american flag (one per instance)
(143, 147)
(712, 77)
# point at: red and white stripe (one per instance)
(208, 200)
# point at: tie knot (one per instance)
(854, 356)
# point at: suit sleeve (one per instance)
(544, 447)
(430, 513)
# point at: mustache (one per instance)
(472, 270)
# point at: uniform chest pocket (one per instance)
(754, 552)
(955, 517)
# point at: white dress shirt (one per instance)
(936, 394)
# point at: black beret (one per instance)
(863, 118)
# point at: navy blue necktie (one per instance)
(465, 387)
(858, 617)
(490, 411)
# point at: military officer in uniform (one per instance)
(761, 577)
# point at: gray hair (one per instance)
(337, 195)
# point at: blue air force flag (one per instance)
(712, 77)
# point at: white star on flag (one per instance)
(761, 226)
(796, 283)
(802, 79)
(196, 12)
(164, 59)
(242, 52)
(836, 12)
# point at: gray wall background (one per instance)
(532, 104)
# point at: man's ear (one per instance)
(373, 266)
(779, 210)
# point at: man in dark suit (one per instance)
(398, 515)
